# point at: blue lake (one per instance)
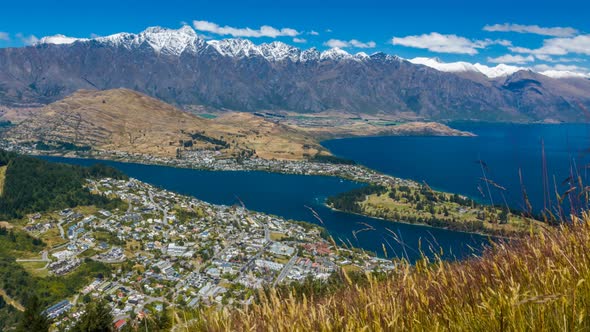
(288, 195)
(450, 163)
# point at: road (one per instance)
(254, 258)
(266, 233)
(164, 211)
(44, 258)
(285, 270)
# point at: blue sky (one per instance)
(525, 33)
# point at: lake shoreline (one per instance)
(126, 161)
(495, 236)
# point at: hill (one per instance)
(34, 185)
(128, 121)
(538, 283)
(180, 68)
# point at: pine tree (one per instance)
(164, 321)
(97, 318)
(32, 320)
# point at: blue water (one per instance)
(449, 163)
(288, 195)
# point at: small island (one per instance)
(414, 203)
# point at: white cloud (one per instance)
(359, 44)
(534, 29)
(4, 36)
(510, 58)
(314, 33)
(27, 40)
(548, 58)
(351, 43)
(559, 46)
(436, 42)
(336, 43)
(263, 31)
(59, 40)
(299, 40)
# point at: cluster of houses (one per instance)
(182, 251)
(64, 266)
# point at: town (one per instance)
(166, 249)
(211, 160)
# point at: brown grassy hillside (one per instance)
(125, 120)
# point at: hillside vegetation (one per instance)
(35, 185)
(127, 121)
(421, 205)
(538, 283)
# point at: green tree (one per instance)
(97, 318)
(32, 319)
(163, 319)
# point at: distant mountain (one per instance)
(178, 67)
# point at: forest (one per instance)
(35, 185)
(348, 201)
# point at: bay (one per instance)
(289, 196)
(451, 163)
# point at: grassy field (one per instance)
(419, 204)
(274, 236)
(402, 209)
(538, 283)
(2, 178)
(36, 269)
(53, 238)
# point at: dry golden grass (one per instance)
(11, 301)
(36, 269)
(128, 121)
(539, 283)
(2, 178)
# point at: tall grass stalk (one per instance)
(538, 283)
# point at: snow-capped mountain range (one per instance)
(501, 70)
(175, 42)
(185, 39)
(182, 68)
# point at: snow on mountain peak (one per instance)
(235, 47)
(176, 41)
(311, 54)
(170, 41)
(335, 54)
(278, 51)
(162, 40)
(461, 66)
(361, 56)
(501, 70)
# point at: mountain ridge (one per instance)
(178, 67)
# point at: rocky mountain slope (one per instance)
(178, 67)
